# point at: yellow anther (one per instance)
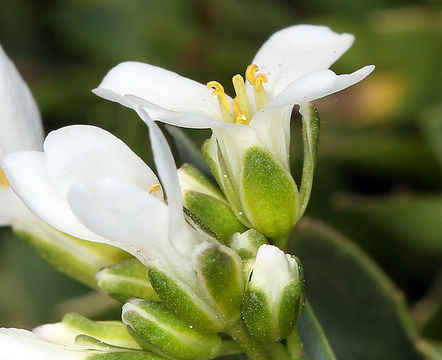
(219, 92)
(154, 188)
(3, 180)
(223, 101)
(256, 81)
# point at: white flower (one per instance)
(21, 129)
(290, 68)
(293, 66)
(89, 184)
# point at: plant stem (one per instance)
(253, 348)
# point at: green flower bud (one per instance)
(213, 303)
(258, 186)
(221, 273)
(157, 329)
(274, 295)
(208, 203)
(79, 259)
(112, 332)
(247, 243)
(126, 280)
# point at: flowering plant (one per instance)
(201, 270)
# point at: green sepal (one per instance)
(158, 329)
(79, 259)
(247, 243)
(215, 213)
(269, 195)
(103, 351)
(112, 332)
(221, 272)
(310, 133)
(126, 280)
(220, 171)
(182, 301)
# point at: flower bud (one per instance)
(208, 203)
(126, 280)
(79, 259)
(247, 243)
(221, 273)
(214, 301)
(274, 295)
(64, 333)
(158, 329)
(258, 186)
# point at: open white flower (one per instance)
(292, 67)
(21, 129)
(89, 184)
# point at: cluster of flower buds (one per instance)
(199, 269)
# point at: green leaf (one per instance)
(410, 219)
(310, 134)
(315, 342)
(432, 126)
(362, 313)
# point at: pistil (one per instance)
(242, 98)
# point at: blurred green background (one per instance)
(379, 177)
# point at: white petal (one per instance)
(129, 217)
(12, 209)
(160, 87)
(298, 50)
(273, 128)
(83, 153)
(18, 344)
(317, 85)
(19, 116)
(27, 176)
(182, 119)
(179, 234)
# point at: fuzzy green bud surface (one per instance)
(158, 329)
(274, 295)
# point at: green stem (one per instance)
(253, 348)
(278, 351)
(295, 346)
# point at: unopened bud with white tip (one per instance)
(274, 295)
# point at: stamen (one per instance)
(240, 118)
(241, 96)
(224, 103)
(256, 81)
(3, 180)
(154, 188)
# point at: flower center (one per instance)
(3, 180)
(241, 113)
